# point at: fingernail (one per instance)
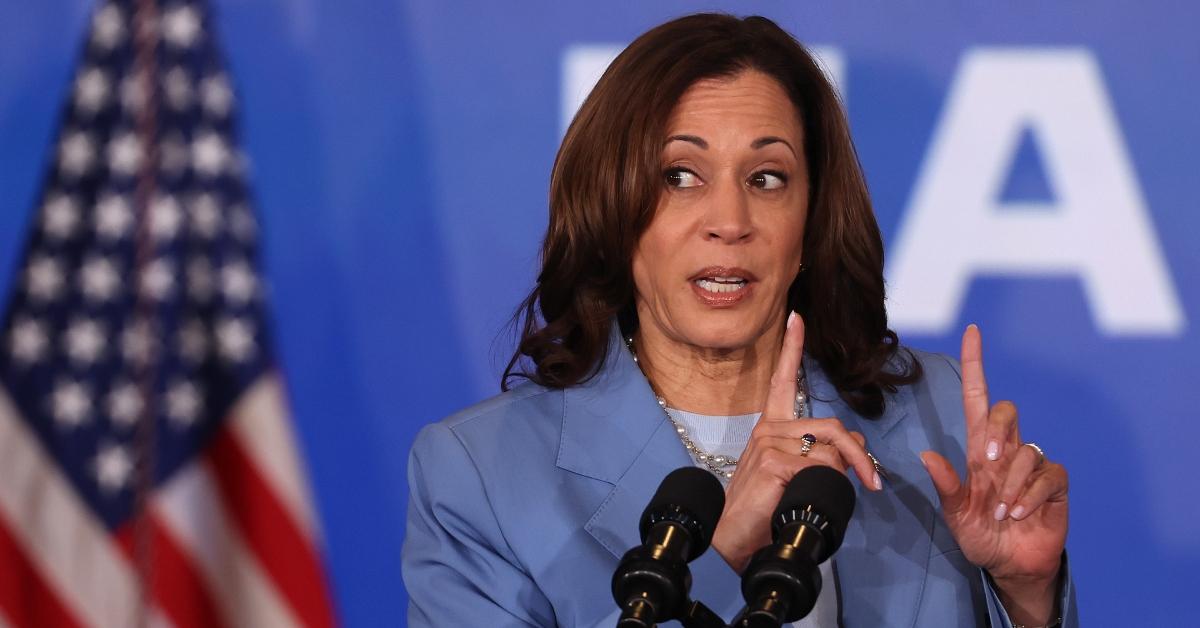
(1018, 512)
(791, 319)
(878, 482)
(1000, 511)
(993, 450)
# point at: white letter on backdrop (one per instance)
(1098, 227)
(583, 64)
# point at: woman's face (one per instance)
(713, 268)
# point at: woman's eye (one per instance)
(768, 180)
(681, 178)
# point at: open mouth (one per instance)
(718, 285)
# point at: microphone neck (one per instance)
(668, 540)
(805, 530)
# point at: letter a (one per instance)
(1097, 228)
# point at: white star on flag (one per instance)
(71, 403)
(157, 279)
(84, 341)
(177, 85)
(125, 154)
(210, 156)
(216, 96)
(114, 217)
(235, 339)
(76, 154)
(206, 216)
(165, 217)
(125, 404)
(60, 216)
(184, 403)
(27, 340)
(98, 279)
(108, 27)
(181, 27)
(237, 282)
(44, 278)
(113, 468)
(92, 90)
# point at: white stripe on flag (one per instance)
(192, 512)
(4, 623)
(262, 425)
(158, 619)
(71, 548)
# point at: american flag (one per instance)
(148, 470)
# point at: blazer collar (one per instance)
(609, 420)
(614, 431)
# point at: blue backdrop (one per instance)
(401, 153)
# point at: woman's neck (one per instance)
(718, 382)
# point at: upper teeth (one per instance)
(721, 284)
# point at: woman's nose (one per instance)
(727, 217)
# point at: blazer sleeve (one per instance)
(1066, 601)
(457, 567)
(997, 615)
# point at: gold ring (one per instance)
(1040, 453)
(806, 444)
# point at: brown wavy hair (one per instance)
(605, 187)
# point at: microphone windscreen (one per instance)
(826, 491)
(691, 492)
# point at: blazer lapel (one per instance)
(615, 432)
(882, 564)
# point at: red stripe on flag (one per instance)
(177, 586)
(25, 597)
(286, 554)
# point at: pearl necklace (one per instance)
(719, 465)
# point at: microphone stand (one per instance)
(698, 615)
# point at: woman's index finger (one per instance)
(781, 397)
(974, 384)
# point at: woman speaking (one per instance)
(711, 294)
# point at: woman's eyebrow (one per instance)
(688, 138)
(771, 139)
(756, 144)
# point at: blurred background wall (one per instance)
(1045, 153)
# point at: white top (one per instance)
(728, 436)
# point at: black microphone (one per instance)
(652, 582)
(782, 581)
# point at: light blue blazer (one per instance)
(521, 506)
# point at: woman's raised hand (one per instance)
(1010, 514)
(774, 455)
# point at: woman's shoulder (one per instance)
(939, 369)
(517, 420)
(941, 376)
(933, 404)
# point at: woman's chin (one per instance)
(726, 335)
